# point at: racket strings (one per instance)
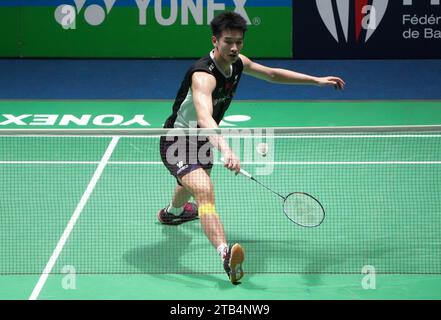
(303, 209)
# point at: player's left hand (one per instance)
(336, 82)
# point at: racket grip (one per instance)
(242, 171)
(245, 173)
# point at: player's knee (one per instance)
(207, 209)
(204, 193)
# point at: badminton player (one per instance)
(203, 98)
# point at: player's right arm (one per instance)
(203, 85)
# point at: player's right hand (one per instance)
(231, 161)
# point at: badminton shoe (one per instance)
(233, 259)
(190, 213)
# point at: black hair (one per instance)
(228, 20)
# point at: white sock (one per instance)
(175, 211)
(222, 249)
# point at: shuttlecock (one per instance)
(262, 149)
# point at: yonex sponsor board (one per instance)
(9, 120)
(367, 29)
(94, 14)
(72, 120)
(140, 28)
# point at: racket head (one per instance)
(303, 209)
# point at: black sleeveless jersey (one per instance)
(184, 112)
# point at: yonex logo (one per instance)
(95, 120)
(181, 167)
(72, 120)
(95, 14)
(367, 16)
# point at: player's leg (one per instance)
(195, 178)
(181, 195)
(179, 210)
(180, 206)
(198, 183)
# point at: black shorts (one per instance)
(181, 155)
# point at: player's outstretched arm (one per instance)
(277, 75)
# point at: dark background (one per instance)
(312, 40)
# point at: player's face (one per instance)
(229, 45)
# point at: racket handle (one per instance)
(242, 171)
(245, 173)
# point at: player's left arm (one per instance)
(277, 75)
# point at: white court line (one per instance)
(53, 259)
(352, 136)
(343, 162)
(244, 163)
(48, 162)
(292, 162)
(252, 136)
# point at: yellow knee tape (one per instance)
(207, 209)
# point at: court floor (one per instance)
(79, 213)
